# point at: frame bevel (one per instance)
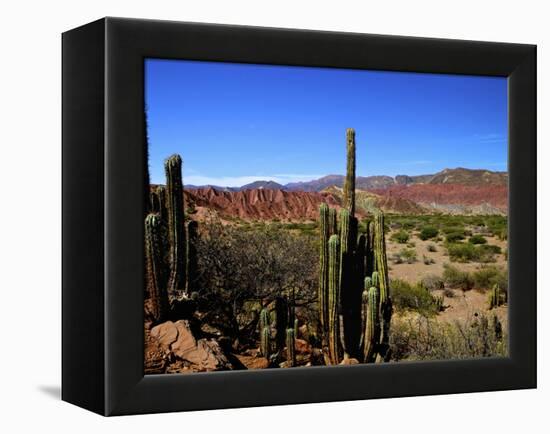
(127, 43)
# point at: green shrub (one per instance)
(486, 277)
(401, 237)
(452, 229)
(465, 252)
(453, 237)
(456, 278)
(477, 239)
(428, 232)
(412, 297)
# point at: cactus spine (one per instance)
(155, 284)
(176, 228)
(333, 298)
(290, 347)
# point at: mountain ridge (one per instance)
(459, 175)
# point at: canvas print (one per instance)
(301, 217)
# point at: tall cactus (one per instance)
(323, 267)
(371, 322)
(350, 286)
(333, 298)
(176, 228)
(290, 347)
(382, 269)
(349, 185)
(156, 283)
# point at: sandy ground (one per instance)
(464, 305)
(414, 272)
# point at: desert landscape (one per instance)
(338, 270)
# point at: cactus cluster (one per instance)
(354, 295)
(169, 243)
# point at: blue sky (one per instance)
(237, 123)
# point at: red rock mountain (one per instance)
(453, 198)
(262, 204)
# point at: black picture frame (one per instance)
(104, 161)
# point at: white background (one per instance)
(30, 217)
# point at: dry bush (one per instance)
(422, 338)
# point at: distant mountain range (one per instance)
(461, 176)
(451, 191)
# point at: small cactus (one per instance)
(290, 347)
(265, 342)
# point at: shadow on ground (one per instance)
(52, 391)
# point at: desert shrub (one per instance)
(453, 229)
(433, 282)
(427, 260)
(425, 339)
(428, 232)
(456, 278)
(406, 255)
(431, 248)
(465, 252)
(412, 297)
(453, 237)
(477, 239)
(400, 236)
(498, 226)
(235, 265)
(486, 277)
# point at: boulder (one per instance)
(178, 340)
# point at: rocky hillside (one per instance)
(261, 204)
(452, 198)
